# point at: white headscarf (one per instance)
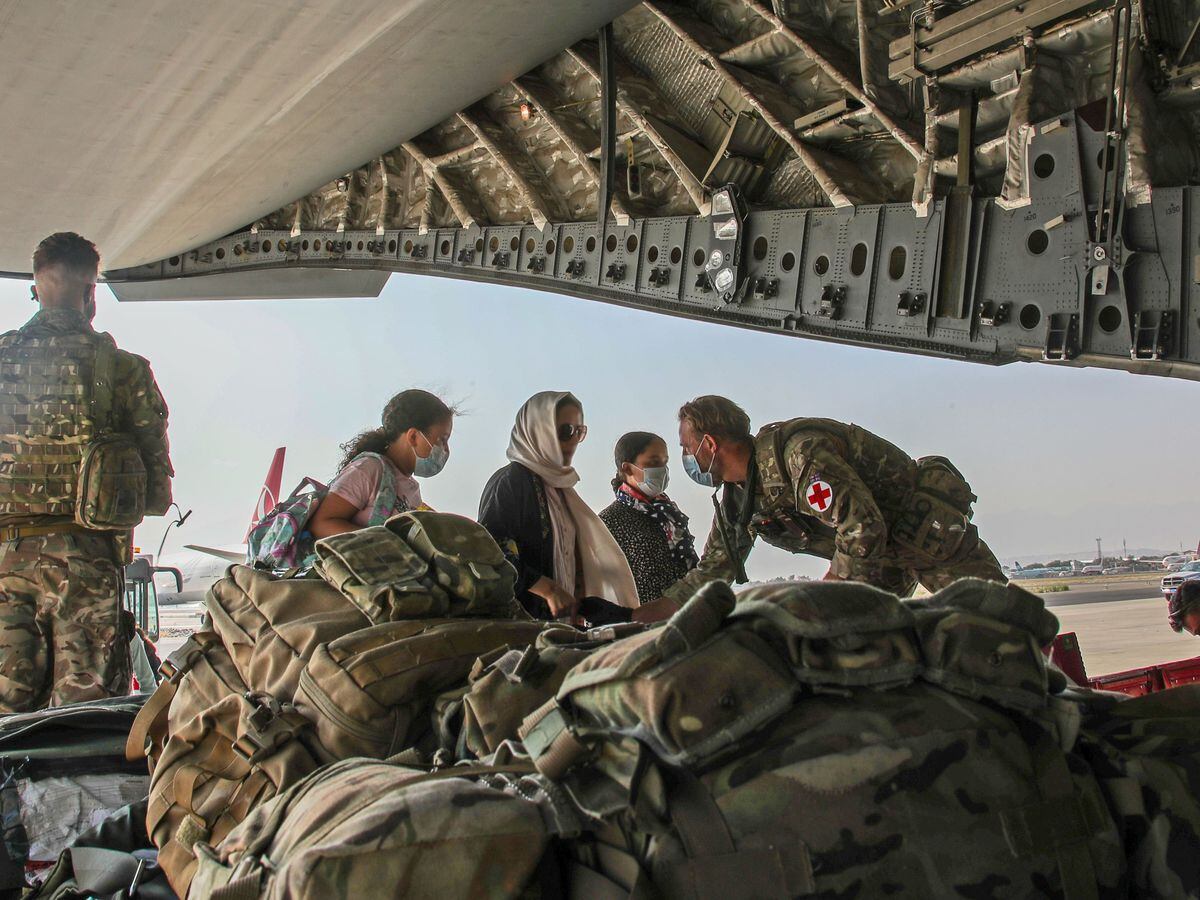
(577, 529)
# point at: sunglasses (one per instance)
(566, 432)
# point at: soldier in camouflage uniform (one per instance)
(828, 489)
(61, 633)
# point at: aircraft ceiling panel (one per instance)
(288, 284)
(156, 126)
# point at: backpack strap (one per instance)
(715, 869)
(386, 498)
(1060, 823)
(151, 721)
(103, 379)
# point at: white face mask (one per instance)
(654, 481)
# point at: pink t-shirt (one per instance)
(358, 484)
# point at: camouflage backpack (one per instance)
(372, 693)
(216, 749)
(1146, 752)
(506, 686)
(829, 739)
(360, 829)
(420, 565)
(63, 454)
(219, 732)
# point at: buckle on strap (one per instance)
(549, 742)
(179, 663)
(268, 726)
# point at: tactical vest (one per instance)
(48, 416)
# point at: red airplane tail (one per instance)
(269, 495)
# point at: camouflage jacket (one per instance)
(815, 486)
(138, 406)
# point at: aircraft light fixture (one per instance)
(526, 110)
(714, 260)
(725, 230)
(723, 280)
(722, 203)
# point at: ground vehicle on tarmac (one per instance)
(1171, 582)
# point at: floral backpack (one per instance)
(281, 539)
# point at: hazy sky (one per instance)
(1058, 456)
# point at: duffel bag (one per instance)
(372, 693)
(361, 828)
(792, 746)
(506, 686)
(1146, 753)
(270, 625)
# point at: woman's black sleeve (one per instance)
(508, 509)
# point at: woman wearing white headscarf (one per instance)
(560, 548)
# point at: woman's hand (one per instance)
(658, 610)
(562, 605)
(597, 611)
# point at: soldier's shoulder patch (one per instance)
(819, 494)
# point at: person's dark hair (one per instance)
(629, 447)
(569, 400)
(1185, 599)
(717, 416)
(408, 409)
(76, 258)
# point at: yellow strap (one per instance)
(17, 532)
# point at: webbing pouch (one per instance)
(379, 573)
(844, 634)
(111, 490)
(982, 639)
(463, 558)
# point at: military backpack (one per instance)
(421, 564)
(363, 829)
(829, 739)
(61, 451)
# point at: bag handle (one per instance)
(308, 481)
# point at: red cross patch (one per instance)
(819, 496)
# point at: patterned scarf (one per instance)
(670, 519)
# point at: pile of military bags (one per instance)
(398, 726)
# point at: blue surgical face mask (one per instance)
(654, 481)
(704, 478)
(428, 466)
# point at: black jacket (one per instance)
(513, 509)
(644, 544)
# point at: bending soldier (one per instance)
(831, 490)
(83, 456)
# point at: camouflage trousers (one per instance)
(901, 574)
(61, 634)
